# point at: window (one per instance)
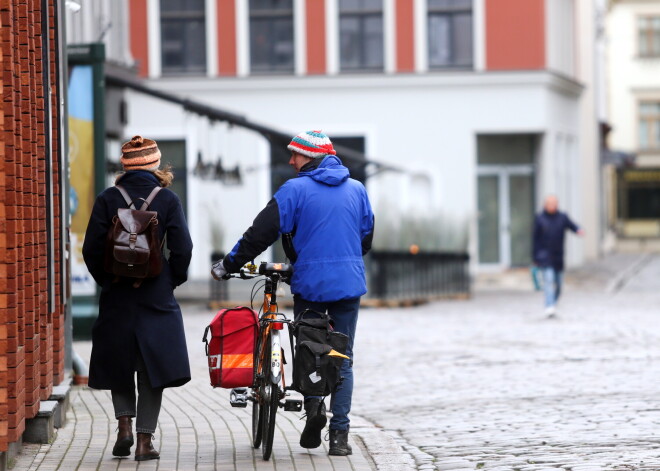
(639, 194)
(649, 36)
(450, 33)
(271, 36)
(183, 36)
(649, 125)
(361, 33)
(174, 154)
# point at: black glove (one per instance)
(218, 270)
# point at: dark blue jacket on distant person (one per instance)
(549, 231)
(327, 225)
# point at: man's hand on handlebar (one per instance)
(218, 271)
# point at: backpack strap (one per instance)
(150, 198)
(127, 198)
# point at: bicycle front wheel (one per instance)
(271, 396)
(257, 420)
(257, 404)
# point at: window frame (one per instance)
(449, 12)
(272, 13)
(649, 33)
(181, 17)
(362, 14)
(654, 141)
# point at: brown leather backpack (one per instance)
(132, 248)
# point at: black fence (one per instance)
(404, 276)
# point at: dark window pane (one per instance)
(361, 35)
(449, 4)
(450, 39)
(439, 44)
(183, 36)
(360, 5)
(271, 44)
(183, 46)
(181, 5)
(373, 42)
(462, 39)
(350, 43)
(271, 5)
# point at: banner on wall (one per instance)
(81, 165)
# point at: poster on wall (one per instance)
(81, 166)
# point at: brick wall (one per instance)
(31, 334)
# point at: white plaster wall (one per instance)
(424, 125)
(218, 214)
(101, 21)
(630, 77)
(560, 36)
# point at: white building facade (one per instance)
(481, 107)
(633, 33)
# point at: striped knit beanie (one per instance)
(313, 144)
(140, 154)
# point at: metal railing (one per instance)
(407, 276)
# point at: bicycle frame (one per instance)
(268, 384)
(269, 316)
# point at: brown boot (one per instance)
(145, 449)
(124, 437)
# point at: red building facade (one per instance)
(32, 291)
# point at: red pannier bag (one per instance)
(230, 351)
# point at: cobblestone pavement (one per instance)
(490, 384)
(486, 383)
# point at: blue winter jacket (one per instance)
(327, 223)
(549, 231)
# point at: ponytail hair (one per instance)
(165, 176)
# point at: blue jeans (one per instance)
(551, 285)
(344, 314)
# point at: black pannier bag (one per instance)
(319, 354)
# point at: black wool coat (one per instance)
(147, 317)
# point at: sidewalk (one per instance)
(605, 275)
(199, 430)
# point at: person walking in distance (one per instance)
(548, 249)
(139, 327)
(327, 225)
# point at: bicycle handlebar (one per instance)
(248, 272)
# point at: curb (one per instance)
(621, 280)
(385, 449)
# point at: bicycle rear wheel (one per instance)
(271, 402)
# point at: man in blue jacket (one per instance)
(327, 225)
(548, 249)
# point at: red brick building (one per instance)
(32, 286)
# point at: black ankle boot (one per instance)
(316, 419)
(339, 443)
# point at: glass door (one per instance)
(489, 219)
(506, 215)
(521, 224)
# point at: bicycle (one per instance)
(269, 386)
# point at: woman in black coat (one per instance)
(139, 328)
